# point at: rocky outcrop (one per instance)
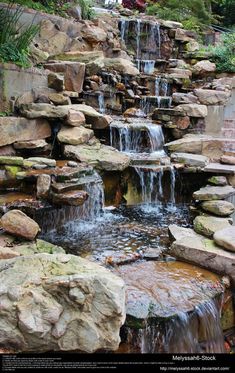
(212, 97)
(208, 225)
(19, 224)
(226, 238)
(61, 303)
(100, 156)
(119, 65)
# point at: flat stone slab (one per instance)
(226, 238)
(205, 253)
(190, 159)
(228, 160)
(177, 233)
(220, 168)
(209, 192)
(208, 225)
(218, 180)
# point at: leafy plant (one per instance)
(223, 54)
(86, 9)
(14, 38)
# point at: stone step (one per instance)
(76, 185)
(220, 168)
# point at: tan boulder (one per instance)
(93, 34)
(73, 72)
(75, 118)
(212, 97)
(204, 67)
(193, 110)
(19, 224)
(74, 135)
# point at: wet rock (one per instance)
(190, 159)
(59, 99)
(204, 67)
(218, 180)
(208, 225)
(220, 208)
(43, 186)
(79, 305)
(11, 160)
(73, 72)
(226, 238)
(14, 129)
(205, 253)
(193, 110)
(29, 145)
(100, 156)
(71, 198)
(177, 233)
(72, 164)
(213, 193)
(227, 159)
(74, 135)
(56, 81)
(212, 97)
(93, 117)
(19, 224)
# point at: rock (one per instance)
(17, 223)
(31, 144)
(14, 129)
(74, 135)
(37, 55)
(220, 168)
(37, 247)
(94, 34)
(218, 207)
(7, 150)
(227, 159)
(11, 160)
(49, 111)
(205, 253)
(97, 120)
(72, 164)
(192, 46)
(73, 72)
(190, 159)
(80, 306)
(208, 225)
(183, 35)
(7, 253)
(212, 97)
(226, 238)
(40, 160)
(80, 56)
(193, 110)
(56, 81)
(75, 118)
(71, 198)
(59, 99)
(171, 24)
(213, 193)
(184, 98)
(177, 233)
(119, 65)
(100, 156)
(218, 180)
(204, 67)
(43, 185)
(182, 122)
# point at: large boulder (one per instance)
(19, 224)
(119, 65)
(44, 110)
(204, 67)
(226, 238)
(212, 97)
(218, 207)
(14, 129)
(74, 135)
(208, 225)
(209, 193)
(59, 303)
(93, 34)
(193, 110)
(93, 117)
(100, 156)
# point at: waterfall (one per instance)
(157, 86)
(150, 185)
(138, 35)
(124, 24)
(198, 332)
(127, 137)
(172, 185)
(145, 66)
(101, 103)
(90, 210)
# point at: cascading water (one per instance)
(101, 103)
(151, 187)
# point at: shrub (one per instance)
(15, 39)
(223, 54)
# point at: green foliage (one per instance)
(223, 54)
(15, 39)
(86, 8)
(194, 14)
(226, 10)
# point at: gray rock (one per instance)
(213, 193)
(226, 238)
(212, 97)
(193, 110)
(218, 207)
(177, 233)
(190, 159)
(43, 185)
(218, 180)
(208, 225)
(59, 303)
